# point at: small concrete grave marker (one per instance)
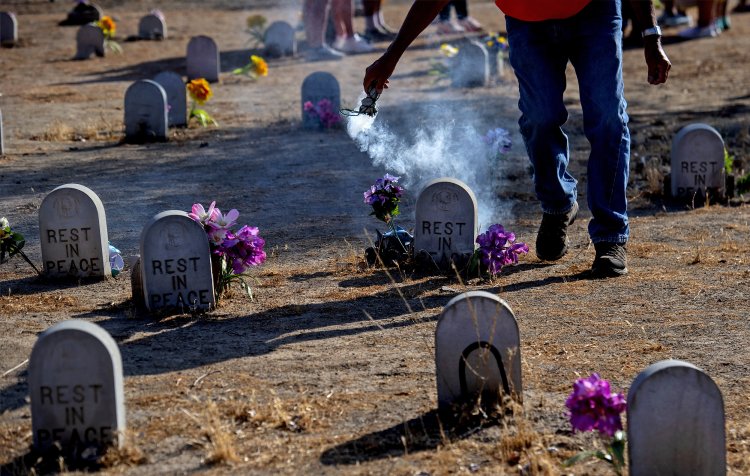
(697, 162)
(203, 59)
(152, 27)
(317, 86)
(2, 142)
(470, 66)
(675, 422)
(146, 117)
(279, 40)
(73, 233)
(477, 349)
(90, 40)
(76, 389)
(8, 29)
(176, 263)
(446, 218)
(174, 87)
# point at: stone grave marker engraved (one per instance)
(279, 40)
(176, 263)
(317, 86)
(76, 388)
(675, 422)
(73, 233)
(146, 118)
(446, 220)
(152, 27)
(477, 350)
(8, 29)
(471, 66)
(174, 87)
(89, 40)
(697, 162)
(202, 59)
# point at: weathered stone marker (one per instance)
(317, 86)
(697, 162)
(470, 67)
(2, 142)
(675, 422)
(152, 27)
(446, 223)
(145, 112)
(174, 87)
(477, 350)
(90, 40)
(75, 385)
(8, 29)
(73, 233)
(176, 263)
(279, 40)
(203, 59)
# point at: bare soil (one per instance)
(330, 370)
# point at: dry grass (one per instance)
(219, 442)
(60, 131)
(127, 455)
(38, 303)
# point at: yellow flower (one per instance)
(108, 26)
(490, 43)
(259, 65)
(256, 21)
(448, 50)
(199, 90)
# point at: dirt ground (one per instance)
(330, 370)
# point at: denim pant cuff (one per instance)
(619, 239)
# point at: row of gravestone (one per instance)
(8, 29)
(675, 412)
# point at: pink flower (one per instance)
(201, 215)
(225, 221)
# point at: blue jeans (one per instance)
(539, 53)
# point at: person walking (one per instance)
(544, 36)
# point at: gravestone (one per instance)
(202, 59)
(446, 220)
(152, 27)
(697, 162)
(470, 67)
(675, 422)
(317, 86)
(477, 350)
(76, 389)
(176, 263)
(82, 14)
(89, 40)
(279, 40)
(73, 233)
(2, 142)
(8, 29)
(174, 88)
(145, 112)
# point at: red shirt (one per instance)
(539, 10)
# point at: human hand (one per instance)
(379, 72)
(657, 61)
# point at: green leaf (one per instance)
(582, 456)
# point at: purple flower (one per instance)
(247, 250)
(324, 112)
(497, 248)
(593, 407)
(499, 141)
(384, 197)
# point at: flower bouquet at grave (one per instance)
(323, 112)
(11, 244)
(234, 251)
(441, 66)
(109, 27)
(498, 142)
(497, 248)
(256, 25)
(256, 68)
(593, 407)
(200, 92)
(396, 245)
(496, 44)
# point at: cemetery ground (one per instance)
(330, 369)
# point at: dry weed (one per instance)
(127, 455)
(59, 131)
(220, 442)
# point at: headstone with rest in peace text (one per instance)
(203, 59)
(675, 422)
(470, 67)
(73, 233)
(176, 264)
(477, 350)
(89, 40)
(146, 117)
(174, 87)
(317, 86)
(697, 162)
(279, 40)
(152, 27)
(76, 388)
(446, 217)
(8, 29)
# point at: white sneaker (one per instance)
(353, 45)
(699, 32)
(449, 28)
(322, 53)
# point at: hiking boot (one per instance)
(552, 239)
(611, 260)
